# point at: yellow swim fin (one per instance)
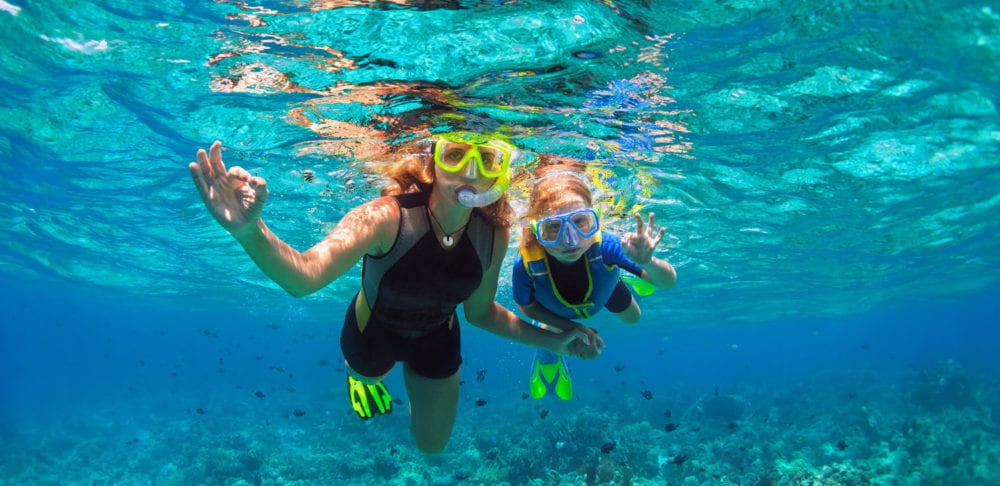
(363, 396)
(548, 369)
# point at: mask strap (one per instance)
(578, 175)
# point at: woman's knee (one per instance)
(431, 445)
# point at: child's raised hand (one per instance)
(639, 246)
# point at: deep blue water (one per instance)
(827, 173)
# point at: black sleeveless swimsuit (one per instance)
(412, 292)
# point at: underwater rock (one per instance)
(723, 408)
(944, 384)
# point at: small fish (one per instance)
(308, 175)
(397, 401)
(259, 394)
(672, 427)
(544, 413)
(524, 396)
(199, 411)
(866, 346)
(323, 362)
(480, 402)
(393, 451)
(666, 413)
(619, 368)
(732, 426)
(481, 375)
(587, 55)
(607, 447)
(842, 445)
(679, 459)
(291, 389)
(298, 413)
(492, 454)
(852, 395)
(648, 395)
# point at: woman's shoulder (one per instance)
(383, 209)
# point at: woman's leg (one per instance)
(433, 406)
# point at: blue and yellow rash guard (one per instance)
(596, 274)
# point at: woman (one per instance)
(568, 268)
(427, 246)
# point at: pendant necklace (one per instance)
(445, 237)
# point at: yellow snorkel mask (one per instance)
(453, 152)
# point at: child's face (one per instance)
(571, 245)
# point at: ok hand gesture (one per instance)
(234, 198)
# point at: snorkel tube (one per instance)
(468, 197)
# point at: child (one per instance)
(568, 269)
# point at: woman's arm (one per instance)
(547, 318)
(236, 199)
(482, 310)
(361, 231)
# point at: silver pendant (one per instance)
(448, 241)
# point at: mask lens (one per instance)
(548, 230)
(585, 221)
(493, 160)
(450, 155)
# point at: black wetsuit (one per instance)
(412, 292)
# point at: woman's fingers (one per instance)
(202, 160)
(215, 159)
(199, 179)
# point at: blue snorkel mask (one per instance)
(572, 226)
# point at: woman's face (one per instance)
(450, 183)
(571, 246)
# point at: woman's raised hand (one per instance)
(234, 197)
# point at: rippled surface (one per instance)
(818, 159)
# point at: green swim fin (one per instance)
(641, 287)
(363, 396)
(548, 369)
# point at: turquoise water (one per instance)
(826, 171)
